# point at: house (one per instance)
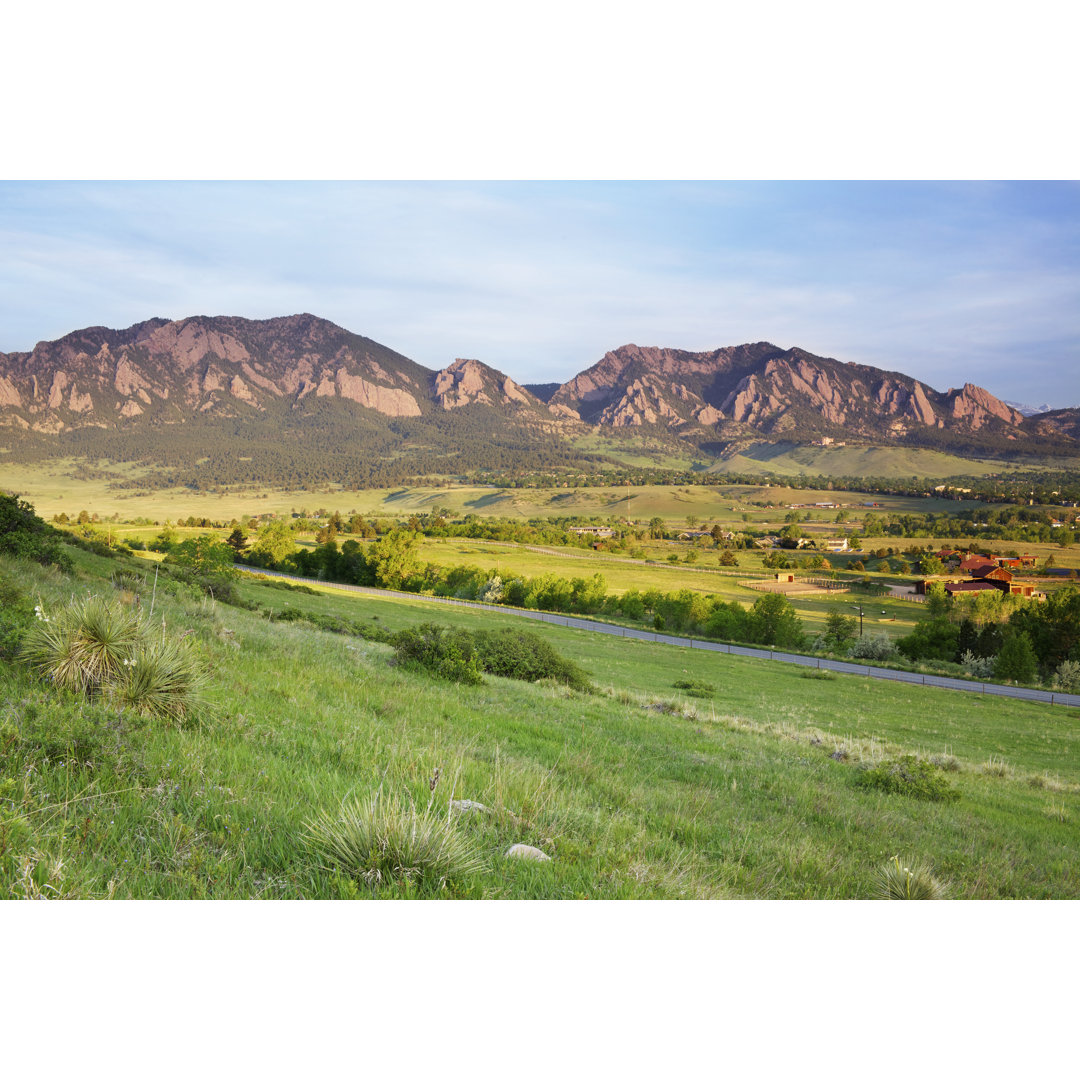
(835, 545)
(591, 530)
(954, 587)
(977, 565)
(1016, 562)
(785, 578)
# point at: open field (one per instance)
(70, 486)
(894, 462)
(732, 795)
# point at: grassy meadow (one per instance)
(743, 785)
(69, 485)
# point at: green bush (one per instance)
(873, 647)
(1016, 662)
(446, 652)
(24, 535)
(907, 776)
(521, 654)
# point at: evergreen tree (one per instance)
(1016, 662)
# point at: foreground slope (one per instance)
(637, 791)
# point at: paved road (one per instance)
(847, 667)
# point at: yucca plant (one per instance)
(100, 648)
(162, 678)
(384, 839)
(84, 646)
(912, 880)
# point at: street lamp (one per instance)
(860, 611)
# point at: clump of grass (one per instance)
(912, 880)
(824, 674)
(698, 688)
(945, 762)
(908, 776)
(996, 767)
(385, 840)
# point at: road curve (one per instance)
(846, 667)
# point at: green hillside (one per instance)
(745, 782)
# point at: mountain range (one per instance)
(238, 383)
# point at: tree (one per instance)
(937, 601)
(656, 528)
(237, 540)
(773, 621)
(1016, 662)
(395, 558)
(931, 565)
(204, 556)
(790, 536)
(274, 544)
(932, 639)
(840, 629)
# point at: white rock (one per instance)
(526, 851)
(464, 805)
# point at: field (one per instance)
(69, 486)
(638, 790)
(894, 462)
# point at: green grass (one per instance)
(637, 791)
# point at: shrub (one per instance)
(873, 647)
(491, 592)
(445, 652)
(897, 881)
(978, 667)
(693, 684)
(521, 654)
(933, 639)
(384, 840)
(24, 535)
(908, 776)
(1067, 676)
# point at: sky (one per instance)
(950, 282)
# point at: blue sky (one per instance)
(949, 282)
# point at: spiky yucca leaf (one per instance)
(384, 839)
(912, 880)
